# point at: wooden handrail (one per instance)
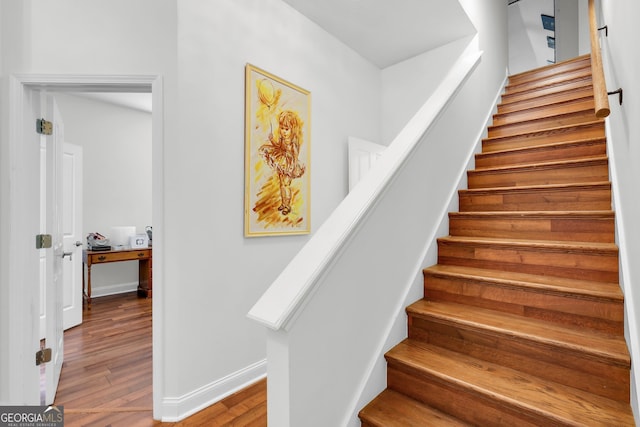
(599, 84)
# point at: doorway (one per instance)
(113, 133)
(24, 339)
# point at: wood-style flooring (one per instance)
(107, 372)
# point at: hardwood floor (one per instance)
(106, 376)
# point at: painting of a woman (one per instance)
(281, 154)
(277, 165)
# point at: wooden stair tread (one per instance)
(549, 400)
(546, 99)
(609, 348)
(544, 146)
(560, 129)
(546, 110)
(542, 122)
(604, 248)
(542, 92)
(536, 214)
(543, 165)
(581, 61)
(538, 188)
(393, 409)
(550, 82)
(548, 284)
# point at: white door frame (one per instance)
(22, 297)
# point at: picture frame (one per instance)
(277, 156)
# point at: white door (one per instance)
(72, 240)
(362, 156)
(53, 301)
(72, 235)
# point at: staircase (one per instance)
(522, 323)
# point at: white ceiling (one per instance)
(386, 32)
(382, 31)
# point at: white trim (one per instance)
(631, 317)
(279, 305)
(21, 359)
(178, 408)
(23, 299)
(113, 289)
(157, 212)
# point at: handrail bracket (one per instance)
(606, 30)
(619, 92)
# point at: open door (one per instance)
(52, 144)
(71, 232)
(72, 235)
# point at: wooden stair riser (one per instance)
(537, 113)
(544, 91)
(552, 70)
(545, 153)
(582, 131)
(559, 227)
(451, 398)
(550, 99)
(562, 308)
(549, 198)
(596, 265)
(567, 173)
(550, 122)
(529, 356)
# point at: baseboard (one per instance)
(178, 408)
(117, 288)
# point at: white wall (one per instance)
(622, 67)
(4, 197)
(567, 29)
(11, 22)
(406, 85)
(116, 143)
(527, 38)
(217, 283)
(584, 35)
(212, 274)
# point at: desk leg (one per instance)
(87, 292)
(144, 278)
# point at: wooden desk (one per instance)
(143, 256)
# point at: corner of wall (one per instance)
(175, 409)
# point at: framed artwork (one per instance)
(277, 156)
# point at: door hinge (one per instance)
(43, 241)
(43, 356)
(44, 127)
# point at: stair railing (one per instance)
(330, 311)
(599, 84)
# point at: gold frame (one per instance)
(277, 156)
